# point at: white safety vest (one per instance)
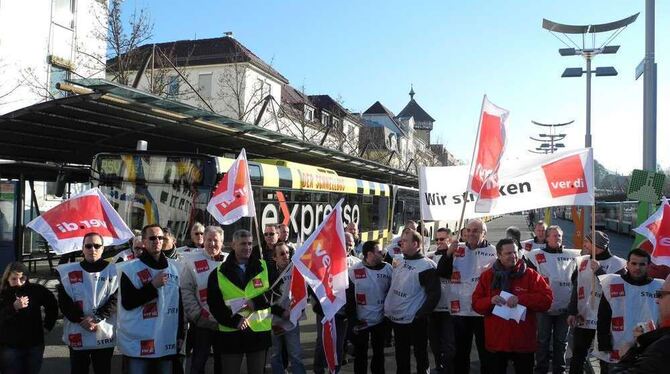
(352, 260)
(89, 291)
(200, 265)
(468, 266)
(630, 305)
(588, 299)
(371, 288)
(443, 304)
(556, 269)
(125, 255)
(406, 295)
(150, 331)
(187, 250)
(529, 245)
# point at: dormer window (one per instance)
(309, 113)
(325, 118)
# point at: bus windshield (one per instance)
(149, 188)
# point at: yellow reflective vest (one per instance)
(259, 320)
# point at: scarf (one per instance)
(502, 277)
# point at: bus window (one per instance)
(254, 173)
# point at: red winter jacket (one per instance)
(507, 335)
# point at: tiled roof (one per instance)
(413, 109)
(223, 50)
(378, 108)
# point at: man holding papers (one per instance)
(504, 290)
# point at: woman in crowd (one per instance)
(21, 326)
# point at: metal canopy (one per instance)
(585, 29)
(113, 117)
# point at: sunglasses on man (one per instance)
(91, 246)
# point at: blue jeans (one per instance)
(149, 365)
(548, 325)
(290, 339)
(21, 360)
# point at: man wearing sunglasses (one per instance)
(87, 298)
(197, 239)
(652, 349)
(627, 300)
(270, 236)
(150, 320)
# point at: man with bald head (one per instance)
(461, 266)
(650, 352)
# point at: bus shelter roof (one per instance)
(111, 118)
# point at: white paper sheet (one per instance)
(517, 313)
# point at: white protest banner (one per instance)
(65, 225)
(558, 179)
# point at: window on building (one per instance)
(205, 85)
(309, 113)
(56, 75)
(62, 13)
(325, 119)
(173, 87)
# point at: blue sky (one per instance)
(453, 52)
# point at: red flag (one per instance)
(329, 336)
(657, 229)
(65, 225)
(233, 198)
(297, 296)
(489, 148)
(322, 262)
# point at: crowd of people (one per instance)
(157, 303)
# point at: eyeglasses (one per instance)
(441, 239)
(661, 293)
(91, 246)
(154, 238)
(269, 234)
(198, 233)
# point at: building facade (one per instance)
(63, 39)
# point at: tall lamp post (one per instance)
(588, 50)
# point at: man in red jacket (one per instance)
(506, 339)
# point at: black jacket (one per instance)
(239, 341)
(134, 298)
(25, 328)
(71, 311)
(649, 355)
(603, 331)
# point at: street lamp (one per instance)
(588, 52)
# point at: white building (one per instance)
(222, 75)
(43, 42)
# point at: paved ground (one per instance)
(56, 354)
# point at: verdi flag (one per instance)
(657, 230)
(322, 261)
(65, 225)
(233, 198)
(489, 149)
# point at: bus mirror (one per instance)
(60, 183)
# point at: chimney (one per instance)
(228, 34)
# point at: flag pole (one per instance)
(593, 220)
(258, 237)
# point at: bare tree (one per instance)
(123, 54)
(238, 97)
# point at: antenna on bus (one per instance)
(142, 145)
